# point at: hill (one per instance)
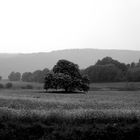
(83, 57)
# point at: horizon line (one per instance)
(67, 50)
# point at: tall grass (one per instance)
(36, 115)
(60, 125)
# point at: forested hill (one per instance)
(82, 57)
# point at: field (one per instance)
(38, 101)
(99, 114)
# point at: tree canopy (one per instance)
(107, 70)
(14, 76)
(66, 75)
(109, 60)
(36, 76)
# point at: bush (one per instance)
(1, 86)
(29, 87)
(9, 85)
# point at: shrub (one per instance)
(1, 86)
(9, 85)
(29, 87)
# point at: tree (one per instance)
(42, 75)
(27, 77)
(103, 73)
(133, 74)
(66, 75)
(109, 60)
(67, 67)
(107, 70)
(14, 76)
(49, 81)
(0, 78)
(36, 76)
(132, 65)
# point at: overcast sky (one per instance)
(46, 25)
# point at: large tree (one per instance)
(66, 75)
(67, 67)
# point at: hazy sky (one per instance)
(45, 25)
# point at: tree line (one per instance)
(65, 75)
(104, 70)
(36, 76)
(110, 70)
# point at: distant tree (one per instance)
(0, 78)
(107, 70)
(36, 76)
(133, 74)
(14, 76)
(103, 73)
(109, 60)
(66, 75)
(27, 77)
(39, 75)
(132, 65)
(128, 66)
(49, 81)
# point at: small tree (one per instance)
(49, 81)
(14, 76)
(66, 75)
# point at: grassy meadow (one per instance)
(105, 113)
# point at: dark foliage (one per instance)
(66, 75)
(14, 76)
(8, 85)
(27, 77)
(61, 128)
(105, 70)
(110, 70)
(104, 73)
(27, 87)
(133, 74)
(1, 86)
(36, 76)
(109, 60)
(68, 68)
